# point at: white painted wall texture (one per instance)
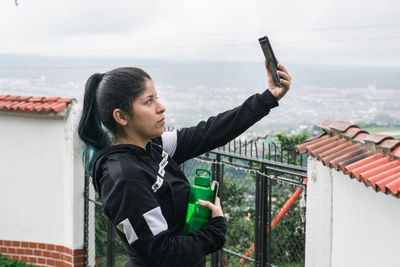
(349, 224)
(318, 215)
(42, 179)
(366, 225)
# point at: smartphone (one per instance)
(270, 57)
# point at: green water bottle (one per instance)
(198, 216)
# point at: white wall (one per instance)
(366, 225)
(347, 223)
(42, 182)
(318, 215)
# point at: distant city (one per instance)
(194, 91)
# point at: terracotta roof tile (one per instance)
(363, 162)
(50, 99)
(360, 137)
(373, 159)
(353, 131)
(322, 142)
(344, 163)
(64, 100)
(302, 147)
(326, 160)
(11, 98)
(396, 152)
(315, 153)
(372, 165)
(377, 138)
(380, 185)
(33, 104)
(393, 187)
(341, 126)
(334, 163)
(389, 144)
(334, 150)
(380, 169)
(383, 175)
(326, 125)
(35, 99)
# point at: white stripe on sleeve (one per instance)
(126, 227)
(169, 140)
(156, 221)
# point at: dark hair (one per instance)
(117, 88)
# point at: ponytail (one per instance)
(90, 129)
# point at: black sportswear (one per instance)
(145, 194)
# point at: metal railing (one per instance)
(257, 179)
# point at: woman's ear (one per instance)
(120, 117)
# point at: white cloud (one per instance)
(187, 30)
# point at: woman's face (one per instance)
(148, 115)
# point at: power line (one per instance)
(132, 49)
(218, 34)
(299, 61)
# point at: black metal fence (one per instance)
(262, 191)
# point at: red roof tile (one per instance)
(326, 160)
(355, 159)
(383, 175)
(360, 137)
(393, 187)
(353, 131)
(389, 144)
(334, 150)
(377, 138)
(33, 104)
(378, 170)
(302, 147)
(396, 152)
(373, 159)
(341, 126)
(382, 183)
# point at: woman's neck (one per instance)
(130, 140)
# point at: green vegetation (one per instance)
(119, 261)
(12, 263)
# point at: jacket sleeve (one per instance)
(134, 209)
(188, 143)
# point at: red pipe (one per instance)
(279, 216)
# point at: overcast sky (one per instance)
(311, 31)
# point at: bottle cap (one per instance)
(203, 177)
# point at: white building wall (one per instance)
(41, 177)
(318, 214)
(365, 229)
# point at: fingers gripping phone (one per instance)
(271, 60)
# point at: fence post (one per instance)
(110, 245)
(216, 258)
(261, 219)
(86, 221)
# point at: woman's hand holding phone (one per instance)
(278, 91)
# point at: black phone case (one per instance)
(270, 57)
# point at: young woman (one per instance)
(136, 165)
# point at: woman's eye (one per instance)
(149, 101)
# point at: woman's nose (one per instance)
(160, 108)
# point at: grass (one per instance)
(119, 261)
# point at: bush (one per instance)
(5, 262)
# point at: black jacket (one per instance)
(145, 194)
